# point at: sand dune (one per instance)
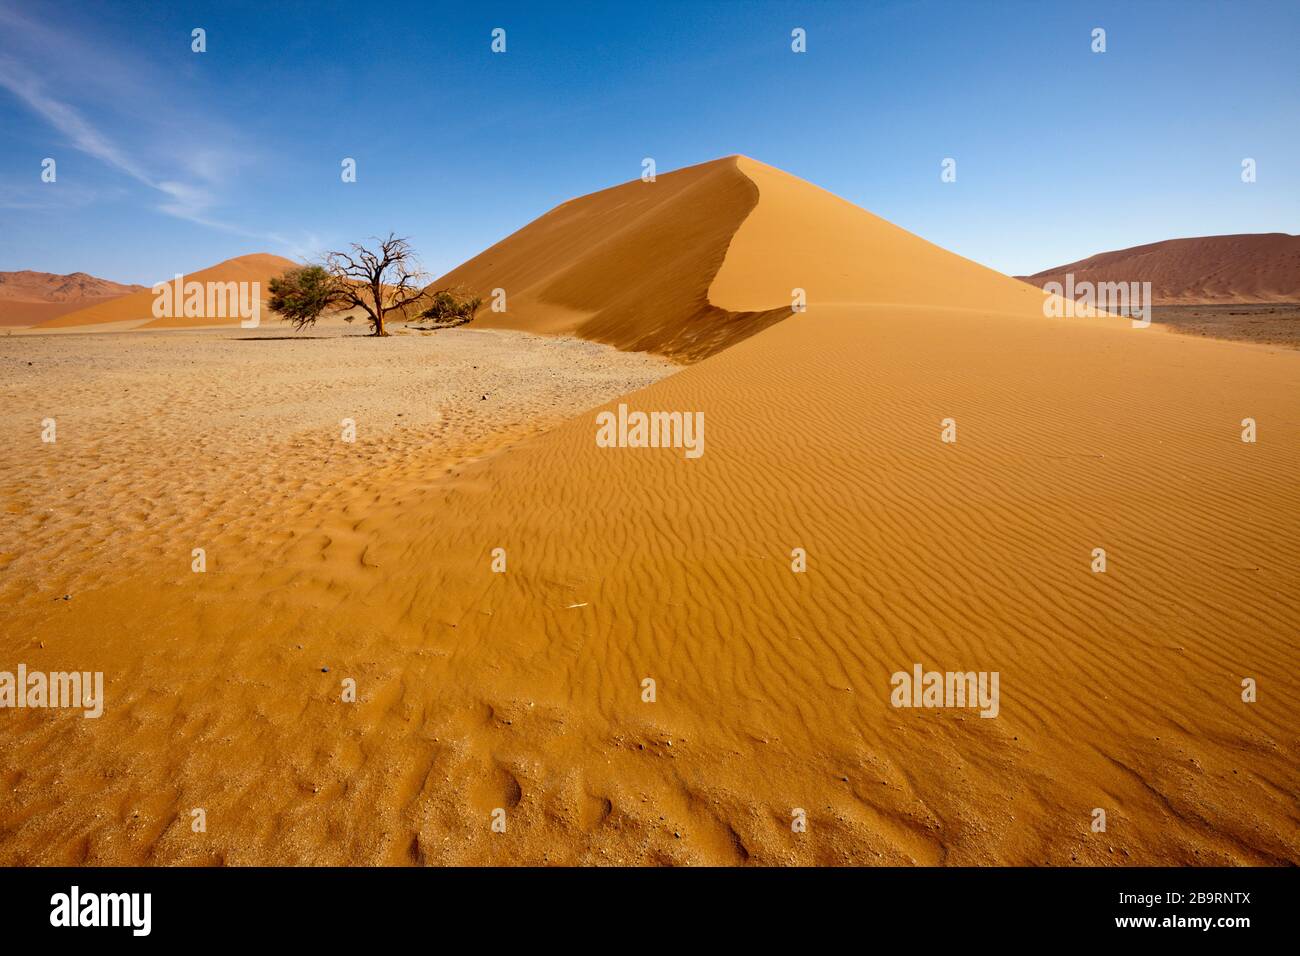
(694, 262)
(138, 307)
(1263, 267)
(630, 266)
(800, 236)
(523, 691)
(28, 297)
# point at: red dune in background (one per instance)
(1255, 267)
(28, 297)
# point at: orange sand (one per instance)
(523, 690)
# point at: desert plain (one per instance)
(517, 693)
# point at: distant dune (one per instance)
(1254, 267)
(136, 310)
(28, 297)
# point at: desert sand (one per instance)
(1249, 268)
(199, 433)
(522, 691)
(1276, 323)
(29, 298)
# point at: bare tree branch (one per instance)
(378, 280)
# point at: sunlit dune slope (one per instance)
(800, 236)
(138, 307)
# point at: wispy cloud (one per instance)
(19, 81)
(188, 179)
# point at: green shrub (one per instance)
(300, 295)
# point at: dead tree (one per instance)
(379, 282)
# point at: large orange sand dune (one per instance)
(629, 266)
(694, 262)
(524, 690)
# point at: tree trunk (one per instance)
(377, 290)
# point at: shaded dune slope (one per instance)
(628, 266)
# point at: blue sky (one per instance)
(170, 160)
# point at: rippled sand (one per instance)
(519, 695)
